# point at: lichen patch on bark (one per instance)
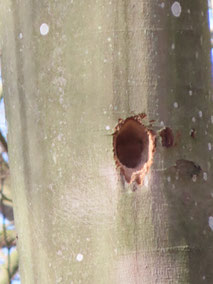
(134, 147)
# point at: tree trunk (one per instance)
(71, 70)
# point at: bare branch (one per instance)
(9, 269)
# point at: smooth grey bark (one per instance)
(77, 221)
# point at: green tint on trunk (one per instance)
(77, 221)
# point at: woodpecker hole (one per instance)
(131, 144)
(133, 147)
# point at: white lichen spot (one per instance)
(59, 252)
(195, 203)
(194, 178)
(209, 146)
(190, 92)
(200, 113)
(173, 46)
(99, 28)
(193, 119)
(61, 100)
(20, 36)
(169, 179)
(146, 181)
(196, 54)
(59, 280)
(54, 158)
(211, 222)
(212, 194)
(50, 264)
(175, 105)
(176, 9)
(60, 137)
(204, 277)
(107, 127)
(205, 176)
(115, 108)
(50, 187)
(189, 11)
(212, 119)
(105, 60)
(162, 5)
(79, 257)
(44, 29)
(109, 39)
(162, 123)
(88, 239)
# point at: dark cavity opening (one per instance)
(131, 141)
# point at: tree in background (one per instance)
(73, 69)
(8, 255)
